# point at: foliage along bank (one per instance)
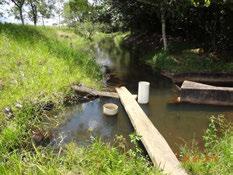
(38, 65)
(216, 158)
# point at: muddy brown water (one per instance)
(179, 124)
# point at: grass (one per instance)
(37, 67)
(185, 58)
(98, 158)
(217, 157)
(20, 155)
(35, 64)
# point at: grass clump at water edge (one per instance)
(217, 156)
(98, 158)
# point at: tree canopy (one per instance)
(207, 22)
(32, 9)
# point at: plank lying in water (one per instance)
(158, 149)
(93, 92)
(199, 93)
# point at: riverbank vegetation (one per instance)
(39, 64)
(217, 155)
(177, 37)
(36, 71)
(188, 60)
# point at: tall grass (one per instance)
(98, 158)
(35, 64)
(217, 157)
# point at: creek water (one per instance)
(179, 123)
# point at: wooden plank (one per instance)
(202, 77)
(158, 149)
(198, 93)
(93, 92)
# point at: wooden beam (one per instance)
(93, 92)
(199, 93)
(202, 77)
(158, 149)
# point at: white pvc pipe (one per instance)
(143, 92)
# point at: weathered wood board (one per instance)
(198, 93)
(93, 92)
(204, 77)
(158, 149)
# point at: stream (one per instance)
(179, 123)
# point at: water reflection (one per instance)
(91, 122)
(179, 124)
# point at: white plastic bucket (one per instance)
(143, 92)
(110, 109)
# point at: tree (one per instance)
(1, 13)
(41, 8)
(18, 9)
(33, 12)
(46, 9)
(77, 11)
(71, 17)
(137, 13)
(163, 7)
(59, 10)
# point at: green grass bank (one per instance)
(188, 61)
(37, 67)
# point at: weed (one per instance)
(217, 156)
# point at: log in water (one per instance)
(93, 92)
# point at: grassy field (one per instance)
(98, 158)
(37, 67)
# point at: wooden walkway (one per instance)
(158, 149)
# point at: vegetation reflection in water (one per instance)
(179, 124)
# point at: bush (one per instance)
(162, 61)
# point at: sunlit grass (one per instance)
(98, 158)
(39, 66)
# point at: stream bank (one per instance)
(179, 124)
(35, 80)
(182, 56)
